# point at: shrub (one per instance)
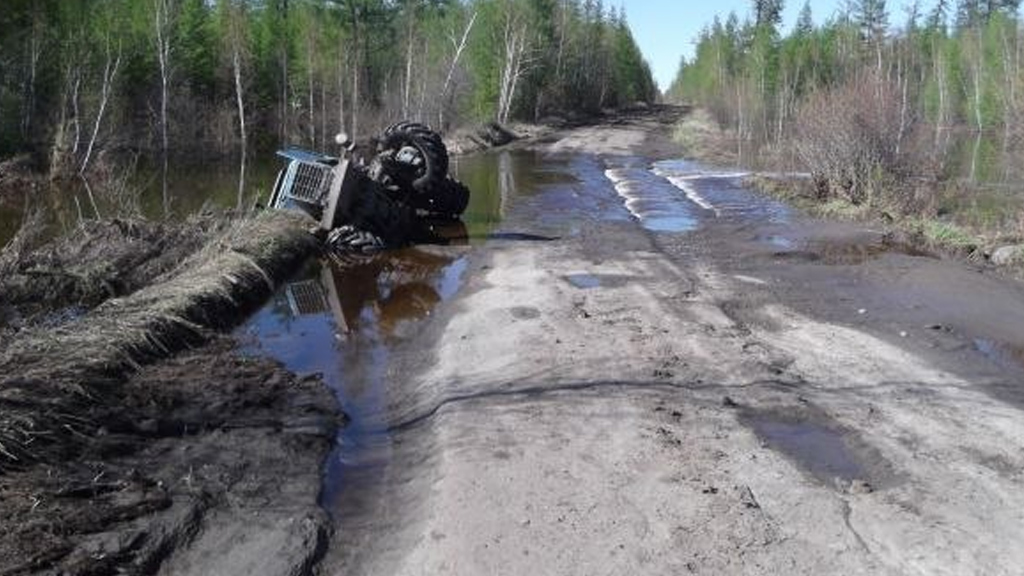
(855, 140)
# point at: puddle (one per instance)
(584, 281)
(677, 195)
(1005, 356)
(822, 450)
(544, 195)
(587, 281)
(853, 254)
(651, 199)
(780, 242)
(722, 192)
(344, 319)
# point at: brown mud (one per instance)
(133, 438)
(98, 261)
(196, 464)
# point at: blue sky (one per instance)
(666, 29)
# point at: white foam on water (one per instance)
(657, 206)
(682, 182)
(692, 194)
(616, 174)
(710, 176)
(627, 189)
(693, 174)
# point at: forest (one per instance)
(93, 79)
(922, 112)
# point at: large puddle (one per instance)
(819, 449)
(834, 456)
(342, 319)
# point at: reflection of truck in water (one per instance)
(400, 195)
(372, 292)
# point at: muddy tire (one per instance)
(431, 174)
(449, 200)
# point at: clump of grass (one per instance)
(841, 209)
(946, 235)
(695, 129)
(801, 193)
(701, 138)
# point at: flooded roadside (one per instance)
(135, 191)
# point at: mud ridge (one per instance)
(135, 439)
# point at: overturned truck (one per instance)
(401, 194)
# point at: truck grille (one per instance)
(307, 182)
(306, 298)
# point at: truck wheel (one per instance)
(434, 169)
(447, 201)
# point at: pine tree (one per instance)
(805, 22)
(871, 16)
(768, 13)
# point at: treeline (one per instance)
(200, 76)
(868, 106)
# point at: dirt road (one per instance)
(637, 366)
(651, 370)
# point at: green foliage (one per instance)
(196, 41)
(309, 67)
(948, 84)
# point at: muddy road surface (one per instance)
(639, 366)
(634, 365)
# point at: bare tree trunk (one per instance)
(109, 73)
(355, 100)
(282, 55)
(903, 117)
(341, 94)
(236, 65)
(58, 152)
(310, 52)
(422, 98)
(75, 84)
(940, 79)
(514, 67)
(459, 47)
(407, 89)
(1009, 100)
(163, 47)
(356, 69)
(979, 122)
(323, 112)
(35, 49)
(559, 60)
(283, 128)
(739, 122)
(92, 198)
